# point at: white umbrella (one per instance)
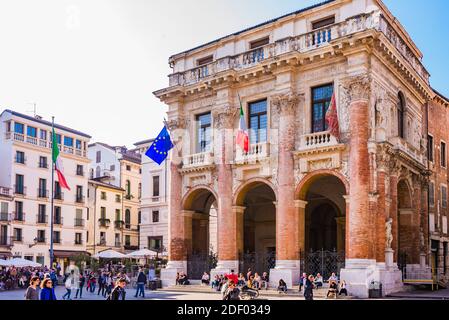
(3, 263)
(144, 253)
(110, 254)
(21, 263)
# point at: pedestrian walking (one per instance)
(118, 293)
(47, 290)
(32, 291)
(81, 281)
(69, 284)
(308, 288)
(141, 282)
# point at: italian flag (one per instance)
(243, 137)
(58, 163)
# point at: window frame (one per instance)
(430, 148)
(203, 146)
(443, 154)
(259, 115)
(323, 106)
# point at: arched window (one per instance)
(401, 115)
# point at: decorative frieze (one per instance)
(224, 118)
(358, 87)
(286, 104)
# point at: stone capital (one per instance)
(286, 104)
(301, 204)
(358, 88)
(224, 117)
(177, 123)
(238, 209)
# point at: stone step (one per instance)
(318, 293)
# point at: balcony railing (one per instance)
(80, 199)
(59, 196)
(20, 160)
(119, 224)
(42, 219)
(78, 243)
(20, 137)
(198, 160)
(302, 44)
(256, 152)
(43, 194)
(18, 216)
(43, 240)
(58, 220)
(317, 140)
(102, 242)
(43, 165)
(6, 192)
(6, 241)
(117, 244)
(17, 238)
(20, 190)
(5, 217)
(404, 146)
(80, 173)
(104, 223)
(79, 223)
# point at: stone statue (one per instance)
(389, 233)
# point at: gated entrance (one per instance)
(323, 262)
(197, 264)
(258, 262)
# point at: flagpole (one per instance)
(52, 193)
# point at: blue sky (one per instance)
(94, 64)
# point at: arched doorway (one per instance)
(258, 250)
(404, 241)
(323, 249)
(200, 216)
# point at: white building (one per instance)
(25, 180)
(121, 168)
(154, 201)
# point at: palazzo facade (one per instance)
(300, 190)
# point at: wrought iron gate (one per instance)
(402, 264)
(257, 262)
(197, 264)
(323, 262)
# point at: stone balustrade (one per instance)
(404, 146)
(302, 44)
(256, 152)
(317, 140)
(19, 137)
(198, 160)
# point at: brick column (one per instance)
(359, 214)
(178, 246)
(228, 255)
(287, 236)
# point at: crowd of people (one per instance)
(40, 283)
(254, 281)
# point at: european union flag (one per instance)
(160, 147)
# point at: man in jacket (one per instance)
(119, 292)
(141, 281)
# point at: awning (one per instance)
(68, 254)
(5, 254)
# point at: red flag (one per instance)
(332, 119)
(243, 137)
